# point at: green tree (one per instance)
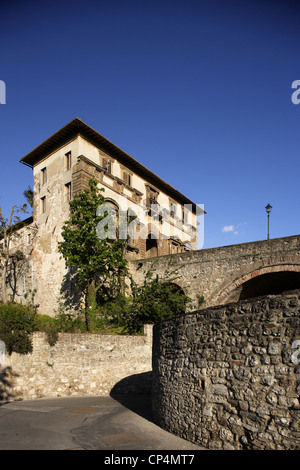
(28, 194)
(98, 262)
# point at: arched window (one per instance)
(108, 225)
(113, 204)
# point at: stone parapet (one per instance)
(79, 365)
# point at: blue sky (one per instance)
(197, 91)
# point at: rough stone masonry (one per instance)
(79, 365)
(228, 377)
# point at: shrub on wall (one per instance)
(155, 300)
(16, 325)
(18, 321)
(48, 325)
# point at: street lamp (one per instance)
(268, 209)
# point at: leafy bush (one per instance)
(16, 325)
(47, 325)
(113, 310)
(18, 322)
(70, 323)
(153, 302)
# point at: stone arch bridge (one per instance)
(229, 273)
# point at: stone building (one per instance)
(62, 166)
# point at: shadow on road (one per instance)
(134, 392)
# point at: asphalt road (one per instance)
(88, 423)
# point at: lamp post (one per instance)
(268, 209)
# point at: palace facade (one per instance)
(62, 166)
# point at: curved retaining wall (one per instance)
(228, 377)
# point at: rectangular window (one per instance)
(127, 178)
(106, 165)
(173, 210)
(68, 189)
(44, 176)
(43, 205)
(183, 216)
(68, 160)
(153, 196)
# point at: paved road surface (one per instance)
(89, 423)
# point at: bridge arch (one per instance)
(175, 287)
(266, 280)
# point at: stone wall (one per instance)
(79, 365)
(228, 377)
